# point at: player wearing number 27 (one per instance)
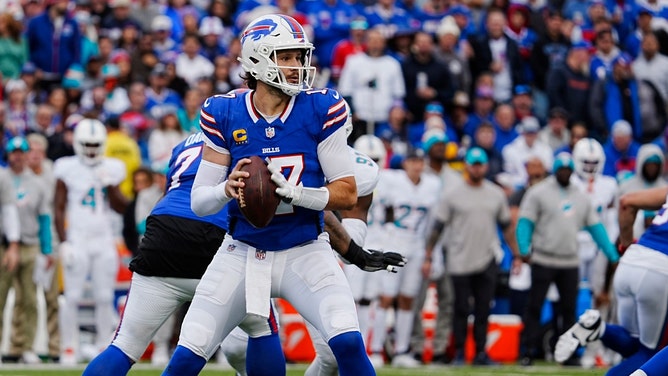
(300, 131)
(86, 192)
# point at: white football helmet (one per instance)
(589, 158)
(373, 147)
(90, 137)
(260, 42)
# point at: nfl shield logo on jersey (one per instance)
(269, 132)
(260, 255)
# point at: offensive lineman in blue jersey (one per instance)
(641, 288)
(300, 131)
(174, 253)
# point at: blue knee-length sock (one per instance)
(272, 360)
(184, 362)
(657, 365)
(633, 362)
(110, 362)
(619, 339)
(348, 348)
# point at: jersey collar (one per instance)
(255, 114)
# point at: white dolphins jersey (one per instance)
(376, 236)
(87, 201)
(366, 173)
(412, 203)
(602, 192)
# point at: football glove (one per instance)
(372, 260)
(310, 198)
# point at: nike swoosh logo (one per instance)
(207, 102)
(336, 95)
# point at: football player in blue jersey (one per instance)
(174, 253)
(300, 131)
(641, 289)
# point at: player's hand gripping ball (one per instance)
(258, 199)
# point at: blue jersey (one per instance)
(231, 124)
(182, 169)
(656, 234)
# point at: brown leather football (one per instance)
(258, 199)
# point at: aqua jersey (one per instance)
(232, 125)
(182, 170)
(656, 234)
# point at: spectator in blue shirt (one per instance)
(54, 42)
(620, 150)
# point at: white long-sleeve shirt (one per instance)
(517, 153)
(373, 83)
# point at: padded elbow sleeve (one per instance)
(356, 229)
(208, 193)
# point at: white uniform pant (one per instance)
(308, 276)
(407, 281)
(94, 256)
(641, 287)
(151, 301)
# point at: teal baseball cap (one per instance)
(17, 143)
(476, 155)
(563, 159)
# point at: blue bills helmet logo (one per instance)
(259, 30)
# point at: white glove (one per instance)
(288, 191)
(310, 198)
(66, 254)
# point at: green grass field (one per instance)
(294, 370)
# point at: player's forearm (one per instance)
(59, 221)
(342, 194)
(117, 201)
(338, 237)
(626, 218)
(649, 199)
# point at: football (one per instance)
(258, 199)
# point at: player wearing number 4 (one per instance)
(301, 132)
(173, 254)
(641, 289)
(86, 192)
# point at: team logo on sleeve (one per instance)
(240, 136)
(259, 30)
(270, 132)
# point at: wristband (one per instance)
(355, 254)
(312, 198)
